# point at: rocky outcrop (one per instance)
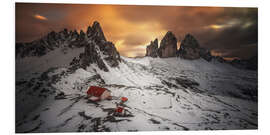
(189, 48)
(152, 49)
(168, 46)
(97, 49)
(110, 54)
(91, 55)
(97, 32)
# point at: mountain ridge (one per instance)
(96, 48)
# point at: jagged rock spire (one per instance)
(189, 48)
(89, 31)
(97, 45)
(97, 31)
(190, 41)
(168, 46)
(152, 49)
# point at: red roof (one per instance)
(124, 99)
(95, 91)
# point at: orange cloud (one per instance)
(40, 17)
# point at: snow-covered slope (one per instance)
(164, 94)
(60, 57)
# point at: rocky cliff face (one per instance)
(152, 49)
(97, 32)
(99, 54)
(189, 48)
(168, 46)
(96, 48)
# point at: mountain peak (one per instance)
(190, 41)
(97, 31)
(168, 46)
(151, 50)
(156, 41)
(89, 31)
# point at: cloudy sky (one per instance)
(228, 32)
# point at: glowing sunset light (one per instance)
(37, 16)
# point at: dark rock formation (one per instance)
(91, 55)
(189, 48)
(111, 55)
(89, 31)
(82, 35)
(152, 49)
(168, 46)
(97, 31)
(98, 50)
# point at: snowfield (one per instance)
(163, 94)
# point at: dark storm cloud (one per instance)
(235, 40)
(224, 30)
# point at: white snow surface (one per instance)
(60, 57)
(156, 100)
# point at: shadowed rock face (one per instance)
(97, 31)
(152, 49)
(111, 55)
(189, 48)
(168, 46)
(92, 55)
(98, 50)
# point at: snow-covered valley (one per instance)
(163, 94)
